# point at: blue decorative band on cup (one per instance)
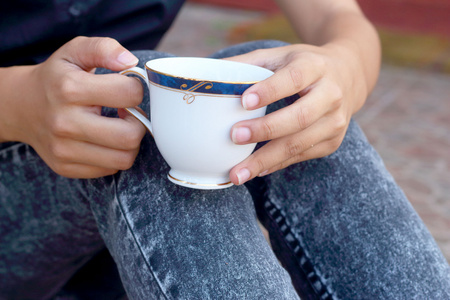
(196, 85)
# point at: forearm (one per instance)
(13, 91)
(338, 25)
(354, 32)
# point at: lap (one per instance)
(340, 224)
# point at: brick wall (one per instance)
(427, 16)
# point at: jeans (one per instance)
(340, 228)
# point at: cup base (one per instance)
(199, 186)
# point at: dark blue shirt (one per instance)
(31, 30)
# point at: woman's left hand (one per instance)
(332, 87)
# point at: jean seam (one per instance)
(277, 215)
(136, 241)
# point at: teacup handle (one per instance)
(141, 73)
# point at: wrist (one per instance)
(364, 49)
(354, 73)
(13, 93)
(366, 58)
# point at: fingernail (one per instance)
(126, 58)
(250, 101)
(243, 175)
(241, 135)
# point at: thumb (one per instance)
(89, 53)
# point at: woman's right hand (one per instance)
(56, 108)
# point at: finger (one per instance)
(88, 53)
(287, 81)
(315, 151)
(75, 152)
(83, 171)
(124, 133)
(320, 100)
(110, 90)
(279, 150)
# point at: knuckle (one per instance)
(260, 164)
(108, 41)
(338, 100)
(59, 151)
(293, 148)
(102, 47)
(105, 45)
(268, 130)
(78, 40)
(59, 126)
(271, 90)
(320, 62)
(302, 117)
(339, 123)
(133, 139)
(297, 56)
(68, 89)
(126, 160)
(296, 77)
(336, 93)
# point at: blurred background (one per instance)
(407, 116)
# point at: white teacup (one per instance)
(194, 102)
